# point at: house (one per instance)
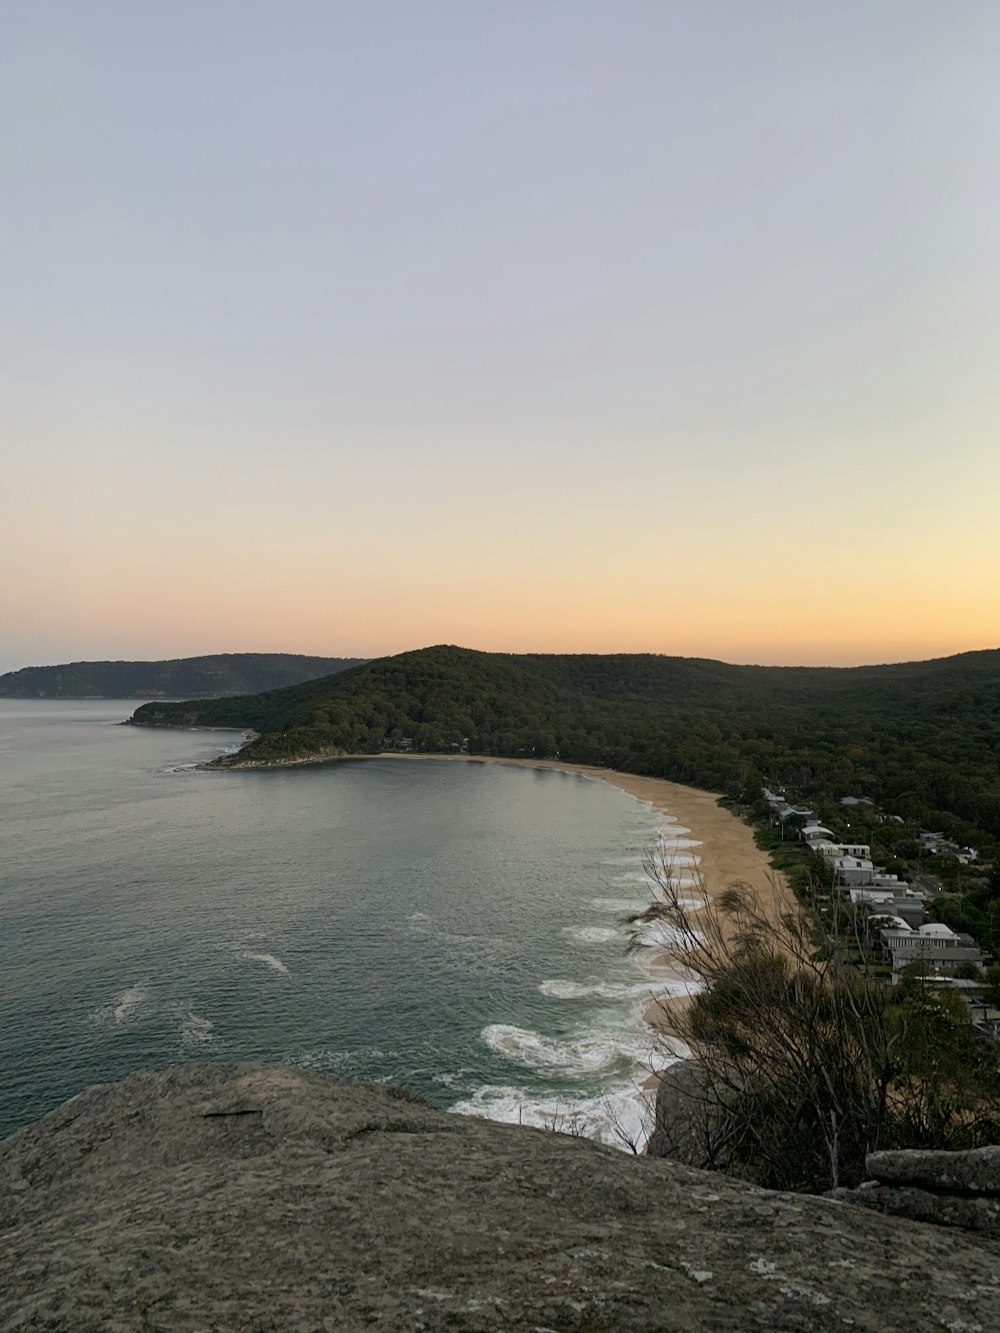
(986, 1021)
(906, 907)
(852, 871)
(856, 800)
(803, 811)
(937, 946)
(815, 833)
(825, 849)
(861, 850)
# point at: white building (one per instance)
(815, 832)
(907, 906)
(852, 871)
(937, 946)
(860, 850)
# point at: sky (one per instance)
(549, 325)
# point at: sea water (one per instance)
(453, 928)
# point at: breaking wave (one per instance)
(621, 1117)
(586, 1053)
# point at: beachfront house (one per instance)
(825, 849)
(852, 872)
(786, 811)
(936, 946)
(861, 850)
(907, 906)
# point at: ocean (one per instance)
(452, 928)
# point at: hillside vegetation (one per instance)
(921, 738)
(184, 677)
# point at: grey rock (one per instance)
(245, 1198)
(975, 1172)
(690, 1118)
(974, 1212)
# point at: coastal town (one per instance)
(888, 917)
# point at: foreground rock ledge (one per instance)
(247, 1197)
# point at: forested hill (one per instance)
(184, 677)
(923, 738)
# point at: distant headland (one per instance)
(210, 677)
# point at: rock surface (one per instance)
(957, 1189)
(974, 1172)
(251, 1198)
(973, 1212)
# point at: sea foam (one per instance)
(587, 1053)
(123, 1006)
(621, 1117)
(593, 934)
(194, 1030)
(268, 960)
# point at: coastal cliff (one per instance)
(247, 1197)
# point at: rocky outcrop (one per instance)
(960, 1189)
(251, 1198)
(688, 1115)
(973, 1172)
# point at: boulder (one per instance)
(976, 1171)
(245, 1198)
(683, 1116)
(974, 1212)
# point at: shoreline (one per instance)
(726, 854)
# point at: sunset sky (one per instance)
(559, 325)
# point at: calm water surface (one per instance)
(453, 928)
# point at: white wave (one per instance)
(195, 1030)
(418, 918)
(122, 1006)
(268, 960)
(623, 905)
(675, 844)
(673, 859)
(656, 935)
(587, 1053)
(651, 989)
(593, 934)
(604, 990)
(619, 1117)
